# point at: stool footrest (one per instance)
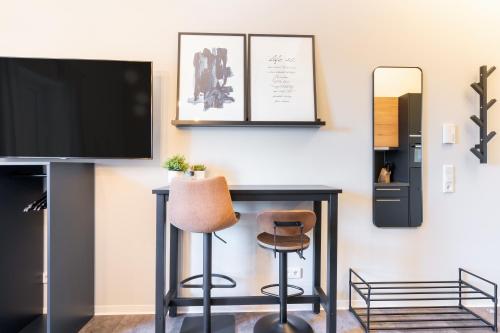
(274, 285)
(184, 283)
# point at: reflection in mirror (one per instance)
(397, 133)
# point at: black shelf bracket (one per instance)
(481, 87)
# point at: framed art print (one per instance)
(211, 77)
(282, 78)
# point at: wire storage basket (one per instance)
(386, 303)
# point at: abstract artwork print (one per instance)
(211, 77)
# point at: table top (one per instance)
(271, 189)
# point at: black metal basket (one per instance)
(434, 316)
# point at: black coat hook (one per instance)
(481, 87)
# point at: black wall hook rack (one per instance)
(481, 87)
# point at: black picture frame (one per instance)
(249, 75)
(244, 70)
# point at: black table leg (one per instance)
(174, 266)
(317, 254)
(160, 263)
(331, 283)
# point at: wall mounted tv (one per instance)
(65, 108)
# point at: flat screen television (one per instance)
(62, 108)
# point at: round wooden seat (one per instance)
(283, 243)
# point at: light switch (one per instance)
(449, 133)
(448, 178)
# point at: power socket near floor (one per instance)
(295, 272)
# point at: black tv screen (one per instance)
(75, 108)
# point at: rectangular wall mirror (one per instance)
(397, 146)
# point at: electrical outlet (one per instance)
(44, 278)
(295, 273)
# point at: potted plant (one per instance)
(199, 171)
(176, 166)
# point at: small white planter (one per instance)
(174, 174)
(199, 175)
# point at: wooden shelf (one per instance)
(211, 123)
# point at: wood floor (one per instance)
(244, 322)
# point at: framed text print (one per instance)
(211, 77)
(282, 78)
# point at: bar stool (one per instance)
(283, 233)
(203, 206)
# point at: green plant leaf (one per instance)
(177, 163)
(198, 167)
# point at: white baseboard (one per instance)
(101, 310)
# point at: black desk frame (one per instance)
(169, 301)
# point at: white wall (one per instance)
(449, 40)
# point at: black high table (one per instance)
(169, 301)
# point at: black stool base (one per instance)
(271, 324)
(220, 324)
